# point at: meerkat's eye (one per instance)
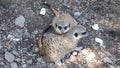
(65, 27)
(76, 34)
(84, 33)
(60, 27)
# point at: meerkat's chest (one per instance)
(58, 44)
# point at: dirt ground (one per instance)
(106, 13)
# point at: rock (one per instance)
(11, 37)
(14, 65)
(15, 53)
(107, 60)
(100, 41)
(74, 53)
(39, 59)
(20, 21)
(9, 57)
(18, 59)
(72, 58)
(0, 46)
(77, 14)
(24, 65)
(36, 49)
(29, 61)
(42, 11)
(95, 26)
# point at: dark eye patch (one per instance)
(65, 27)
(60, 27)
(76, 34)
(84, 33)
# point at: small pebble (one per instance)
(24, 65)
(0, 46)
(14, 65)
(11, 37)
(72, 58)
(15, 53)
(77, 14)
(107, 60)
(42, 11)
(36, 49)
(99, 41)
(95, 26)
(29, 61)
(20, 21)
(74, 53)
(2, 63)
(39, 59)
(9, 57)
(18, 59)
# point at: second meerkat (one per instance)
(62, 23)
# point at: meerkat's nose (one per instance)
(63, 31)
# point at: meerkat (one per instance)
(62, 23)
(53, 47)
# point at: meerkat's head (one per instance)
(62, 27)
(79, 32)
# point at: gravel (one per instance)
(21, 23)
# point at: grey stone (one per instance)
(9, 57)
(77, 14)
(14, 65)
(20, 21)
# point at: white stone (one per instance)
(74, 53)
(99, 41)
(20, 21)
(11, 37)
(16, 39)
(9, 57)
(95, 26)
(14, 65)
(42, 11)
